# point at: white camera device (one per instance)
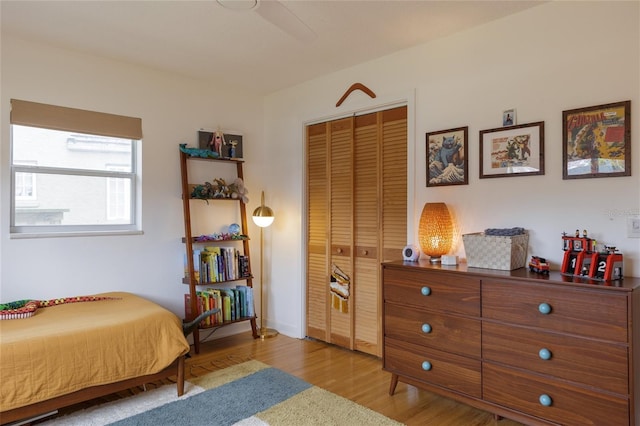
(411, 253)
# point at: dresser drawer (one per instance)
(594, 363)
(569, 405)
(444, 332)
(456, 373)
(584, 312)
(433, 290)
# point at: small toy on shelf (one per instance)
(581, 258)
(196, 152)
(539, 265)
(579, 253)
(607, 265)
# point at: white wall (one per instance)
(172, 109)
(558, 56)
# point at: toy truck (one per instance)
(539, 265)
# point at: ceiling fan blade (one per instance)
(278, 14)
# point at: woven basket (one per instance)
(496, 252)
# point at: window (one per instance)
(86, 181)
(25, 183)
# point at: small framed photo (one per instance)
(447, 152)
(226, 144)
(514, 151)
(596, 141)
(509, 117)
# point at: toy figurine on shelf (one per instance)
(582, 259)
(539, 265)
(608, 265)
(579, 252)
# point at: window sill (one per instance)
(20, 235)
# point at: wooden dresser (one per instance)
(536, 349)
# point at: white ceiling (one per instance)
(260, 49)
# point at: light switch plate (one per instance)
(633, 227)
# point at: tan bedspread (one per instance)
(65, 348)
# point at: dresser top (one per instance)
(523, 274)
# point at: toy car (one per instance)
(539, 265)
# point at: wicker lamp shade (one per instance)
(436, 230)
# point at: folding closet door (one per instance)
(393, 184)
(341, 166)
(317, 232)
(330, 231)
(356, 218)
(380, 215)
(367, 141)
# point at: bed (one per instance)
(74, 352)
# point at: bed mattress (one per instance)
(69, 347)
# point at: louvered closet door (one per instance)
(357, 217)
(394, 184)
(341, 225)
(366, 235)
(317, 232)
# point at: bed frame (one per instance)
(39, 408)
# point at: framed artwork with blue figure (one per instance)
(447, 152)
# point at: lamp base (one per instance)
(434, 259)
(266, 333)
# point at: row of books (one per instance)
(217, 264)
(234, 303)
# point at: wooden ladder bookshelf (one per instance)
(190, 240)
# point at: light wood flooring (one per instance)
(353, 375)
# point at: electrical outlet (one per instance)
(633, 227)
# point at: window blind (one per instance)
(75, 120)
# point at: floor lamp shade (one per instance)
(263, 217)
(436, 230)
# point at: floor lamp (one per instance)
(263, 217)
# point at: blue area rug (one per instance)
(228, 408)
(247, 394)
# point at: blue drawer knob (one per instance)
(425, 291)
(544, 308)
(426, 328)
(545, 400)
(544, 354)
(426, 365)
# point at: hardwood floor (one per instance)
(353, 375)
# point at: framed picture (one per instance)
(509, 117)
(227, 144)
(447, 152)
(596, 141)
(513, 151)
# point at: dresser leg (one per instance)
(393, 384)
(496, 417)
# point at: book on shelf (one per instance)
(207, 300)
(217, 264)
(196, 265)
(248, 310)
(230, 315)
(234, 303)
